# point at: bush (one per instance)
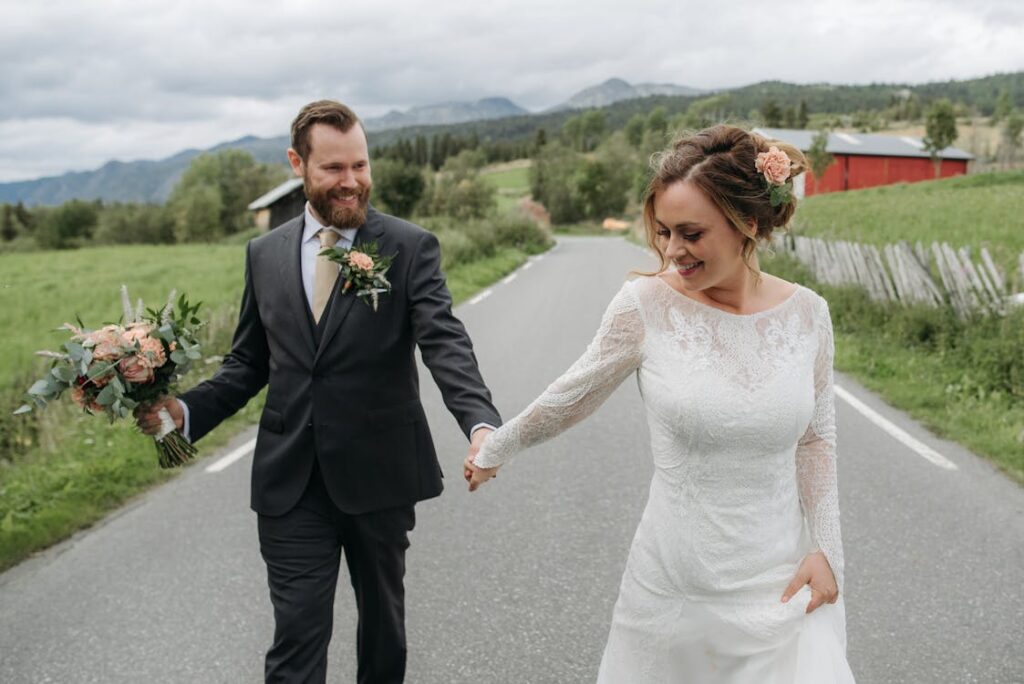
(68, 226)
(135, 224)
(469, 241)
(458, 191)
(397, 185)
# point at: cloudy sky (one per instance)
(85, 82)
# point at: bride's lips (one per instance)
(689, 269)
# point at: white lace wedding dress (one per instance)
(742, 424)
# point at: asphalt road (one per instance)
(516, 582)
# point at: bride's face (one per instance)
(700, 243)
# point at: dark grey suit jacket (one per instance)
(351, 402)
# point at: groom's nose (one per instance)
(348, 180)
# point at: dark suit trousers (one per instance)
(302, 550)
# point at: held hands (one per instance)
(477, 476)
(148, 420)
(815, 571)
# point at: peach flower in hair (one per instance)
(774, 164)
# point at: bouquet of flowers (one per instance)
(364, 269)
(117, 367)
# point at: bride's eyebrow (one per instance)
(685, 225)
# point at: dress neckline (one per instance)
(756, 314)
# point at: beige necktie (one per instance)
(325, 275)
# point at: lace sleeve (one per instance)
(613, 354)
(816, 455)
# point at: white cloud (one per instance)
(84, 82)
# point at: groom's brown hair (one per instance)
(329, 112)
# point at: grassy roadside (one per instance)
(81, 467)
(985, 209)
(963, 380)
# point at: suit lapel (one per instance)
(341, 304)
(291, 279)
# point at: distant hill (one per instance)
(136, 181)
(152, 181)
(446, 113)
(616, 90)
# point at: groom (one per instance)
(343, 451)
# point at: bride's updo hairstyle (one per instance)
(722, 162)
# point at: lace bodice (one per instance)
(741, 414)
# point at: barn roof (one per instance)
(277, 193)
(871, 144)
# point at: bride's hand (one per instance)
(475, 475)
(816, 571)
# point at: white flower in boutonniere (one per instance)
(362, 269)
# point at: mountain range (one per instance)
(500, 119)
(153, 180)
(616, 90)
(446, 113)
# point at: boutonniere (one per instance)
(363, 270)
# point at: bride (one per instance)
(735, 573)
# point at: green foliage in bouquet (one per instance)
(114, 369)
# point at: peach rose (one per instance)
(138, 332)
(360, 260)
(152, 350)
(136, 369)
(774, 164)
(108, 344)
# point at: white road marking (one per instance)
(481, 297)
(915, 445)
(239, 453)
(508, 279)
(527, 265)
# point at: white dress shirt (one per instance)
(307, 256)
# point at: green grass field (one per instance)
(63, 469)
(980, 210)
(41, 290)
(512, 182)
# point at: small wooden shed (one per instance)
(284, 202)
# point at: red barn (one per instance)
(865, 160)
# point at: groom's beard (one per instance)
(339, 217)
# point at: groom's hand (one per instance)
(148, 420)
(476, 440)
(476, 476)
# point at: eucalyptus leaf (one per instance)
(75, 350)
(179, 357)
(99, 369)
(24, 408)
(40, 387)
(106, 396)
(63, 373)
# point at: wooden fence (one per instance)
(939, 275)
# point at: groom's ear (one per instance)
(296, 161)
